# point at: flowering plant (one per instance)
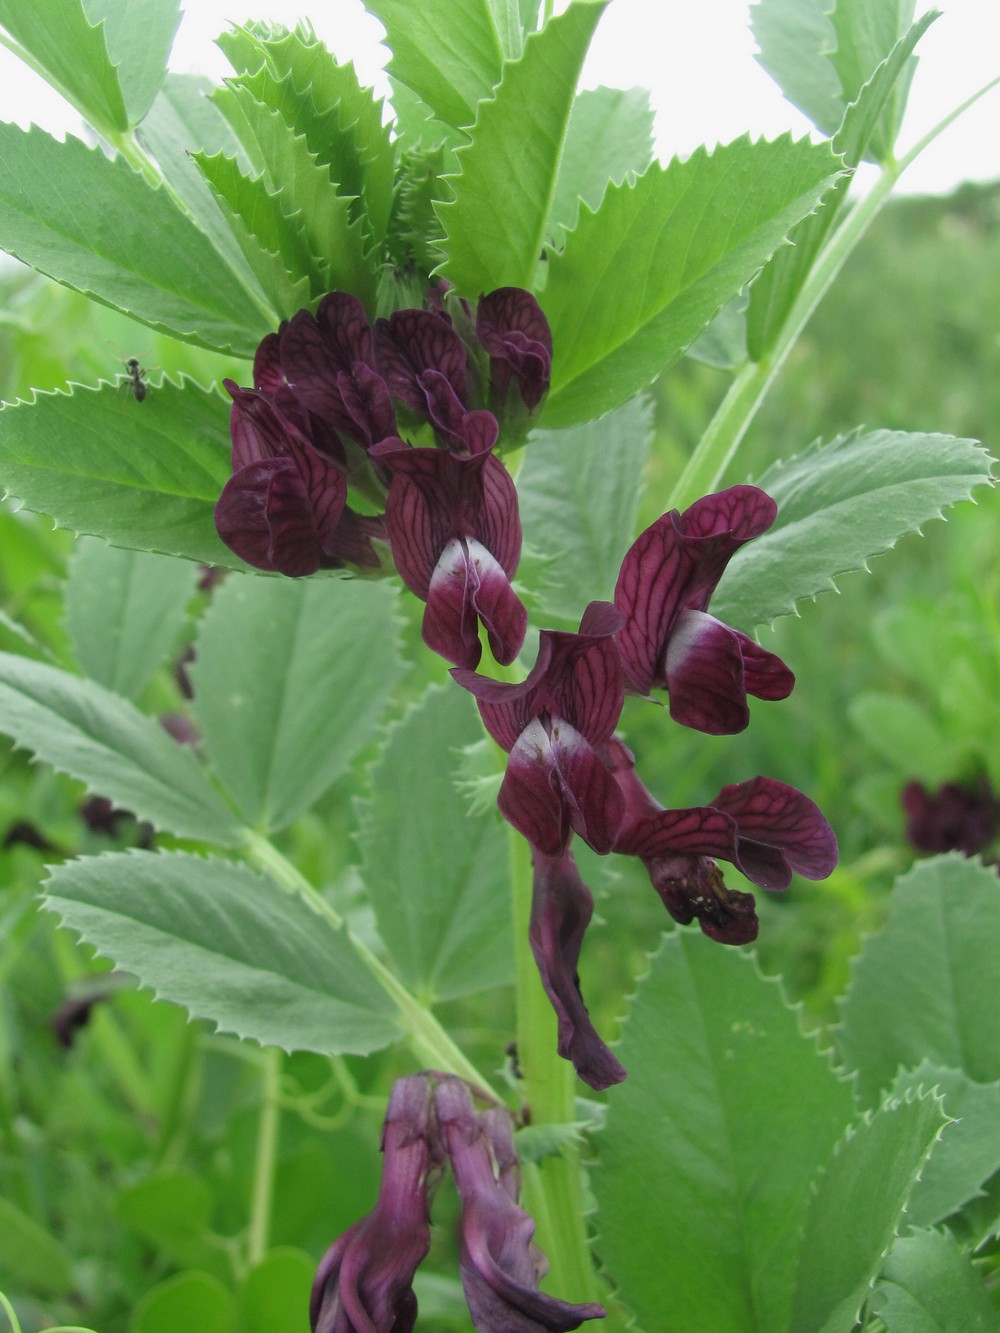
(432, 612)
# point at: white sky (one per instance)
(696, 59)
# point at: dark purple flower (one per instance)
(668, 640)
(514, 331)
(328, 360)
(763, 827)
(552, 725)
(953, 818)
(364, 1283)
(284, 508)
(425, 363)
(455, 534)
(561, 908)
(500, 1263)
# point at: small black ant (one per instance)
(136, 379)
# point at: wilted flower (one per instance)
(668, 640)
(561, 908)
(364, 1283)
(763, 827)
(455, 534)
(500, 1263)
(551, 726)
(952, 818)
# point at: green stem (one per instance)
(427, 1038)
(553, 1189)
(714, 452)
(265, 1157)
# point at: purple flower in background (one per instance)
(364, 1283)
(668, 640)
(453, 525)
(552, 726)
(952, 818)
(561, 908)
(284, 508)
(511, 327)
(763, 827)
(501, 1265)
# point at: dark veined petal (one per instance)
(692, 887)
(506, 709)
(264, 514)
(412, 341)
(344, 324)
(561, 908)
(501, 1265)
(764, 674)
(512, 328)
(770, 814)
(554, 784)
(705, 676)
(268, 375)
(257, 429)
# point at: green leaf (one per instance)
(173, 1211)
(58, 39)
(639, 279)
(795, 38)
(498, 220)
(95, 225)
(451, 66)
(907, 736)
(610, 136)
(579, 498)
(142, 475)
(273, 244)
(227, 944)
(775, 290)
(303, 191)
(839, 504)
(124, 612)
(290, 680)
(438, 884)
(922, 988)
(139, 38)
(182, 120)
(866, 31)
(30, 1256)
(854, 1211)
(968, 1152)
(186, 1300)
(86, 731)
(719, 1131)
(276, 1292)
(340, 119)
(928, 1285)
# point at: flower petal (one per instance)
(265, 516)
(764, 674)
(772, 815)
(561, 908)
(704, 675)
(512, 328)
(412, 341)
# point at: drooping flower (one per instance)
(511, 327)
(956, 818)
(669, 640)
(501, 1265)
(455, 534)
(364, 1283)
(284, 509)
(551, 726)
(561, 908)
(765, 828)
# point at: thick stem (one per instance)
(553, 1189)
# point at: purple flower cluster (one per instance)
(331, 395)
(567, 773)
(364, 1283)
